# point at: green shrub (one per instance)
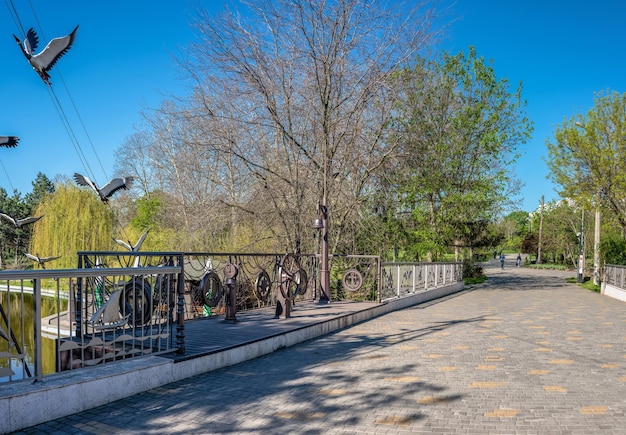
(471, 270)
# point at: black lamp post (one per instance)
(321, 223)
(322, 213)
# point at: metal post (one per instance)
(324, 268)
(398, 276)
(580, 248)
(379, 279)
(180, 308)
(596, 246)
(231, 300)
(78, 300)
(37, 332)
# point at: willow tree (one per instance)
(73, 220)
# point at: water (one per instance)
(22, 329)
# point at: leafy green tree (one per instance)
(460, 127)
(42, 186)
(587, 157)
(14, 239)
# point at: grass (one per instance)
(547, 266)
(471, 281)
(586, 284)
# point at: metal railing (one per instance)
(399, 279)
(119, 305)
(257, 279)
(615, 275)
(64, 319)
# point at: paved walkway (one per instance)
(524, 353)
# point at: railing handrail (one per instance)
(87, 272)
(401, 263)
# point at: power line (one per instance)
(93, 148)
(7, 174)
(62, 114)
(70, 132)
(14, 15)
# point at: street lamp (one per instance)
(321, 223)
(322, 212)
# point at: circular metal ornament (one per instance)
(302, 281)
(136, 302)
(352, 280)
(230, 270)
(211, 289)
(287, 270)
(263, 285)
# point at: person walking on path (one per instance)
(501, 260)
(519, 260)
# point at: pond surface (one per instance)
(22, 331)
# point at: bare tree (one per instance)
(293, 90)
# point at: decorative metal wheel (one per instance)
(136, 302)
(263, 286)
(301, 280)
(211, 289)
(287, 270)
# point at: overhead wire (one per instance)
(7, 174)
(58, 71)
(68, 127)
(93, 148)
(59, 108)
(14, 15)
(70, 132)
(57, 103)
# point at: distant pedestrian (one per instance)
(519, 260)
(501, 260)
(495, 254)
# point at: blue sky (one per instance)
(121, 64)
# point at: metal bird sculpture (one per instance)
(9, 141)
(43, 61)
(130, 246)
(108, 189)
(41, 260)
(18, 223)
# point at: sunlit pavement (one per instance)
(526, 352)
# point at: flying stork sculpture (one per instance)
(9, 141)
(41, 260)
(43, 61)
(18, 223)
(130, 246)
(108, 189)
